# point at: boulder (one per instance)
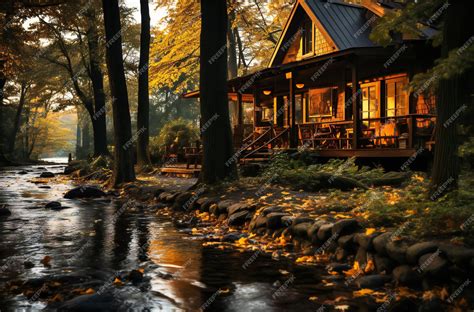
(84, 192)
(238, 218)
(414, 252)
(214, 210)
(381, 241)
(345, 226)
(325, 231)
(372, 281)
(259, 221)
(274, 221)
(346, 241)
(458, 254)
(54, 205)
(204, 203)
(232, 237)
(47, 174)
(223, 205)
(302, 219)
(23, 172)
(4, 211)
(397, 250)
(365, 241)
(340, 254)
(183, 201)
(163, 195)
(313, 230)
(361, 257)
(242, 206)
(301, 229)
(287, 220)
(106, 302)
(432, 264)
(405, 275)
(135, 276)
(383, 264)
(269, 210)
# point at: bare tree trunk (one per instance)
(123, 162)
(216, 131)
(17, 121)
(143, 114)
(99, 122)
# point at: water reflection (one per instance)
(94, 239)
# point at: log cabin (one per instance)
(330, 89)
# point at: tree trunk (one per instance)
(123, 162)
(99, 122)
(2, 123)
(216, 131)
(448, 102)
(232, 45)
(17, 121)
(143, 114)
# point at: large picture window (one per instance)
(320, 103)
(396, 97)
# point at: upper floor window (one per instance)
(307, 37)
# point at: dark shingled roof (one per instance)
(348, 25)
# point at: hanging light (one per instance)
(300, 85)
(267, 92)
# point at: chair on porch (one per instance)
(193, 155)
(325, 137)
(306, 135)
(387, 135)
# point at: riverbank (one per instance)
(361, 237)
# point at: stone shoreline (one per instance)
(369, 258)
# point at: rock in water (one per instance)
(54, 205)
(84, 192)
(47, 174)
(4, 211)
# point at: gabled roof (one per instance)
(343, 25)
(348, 25)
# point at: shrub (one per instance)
(180, 133)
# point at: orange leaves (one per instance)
(363, 292)
(370, 266)
(369, 231)
(46, 261)
(117, 282)
(306, 259)
(355, 269)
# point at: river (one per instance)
(90, 241)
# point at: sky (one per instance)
(155, 15)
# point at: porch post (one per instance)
(255, 104)
(412, 101)
(356, 107)
(292, 102)
(240, 115)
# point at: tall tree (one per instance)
(143, 110)
(123, 162)
(215, 123)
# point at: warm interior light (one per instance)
(267, 92)
(300, 85)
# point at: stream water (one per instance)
(91, 240)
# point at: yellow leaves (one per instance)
(370, 266)
(242, 242)
(305, 259)
(411, 212)
(369, 231)
(224, 290)
(392, 198)
(313, 298)
(441, 293)
(117, 282)
(362, 292)
(341, 216)
(355, 269)
(285, 193)
(195, 231)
